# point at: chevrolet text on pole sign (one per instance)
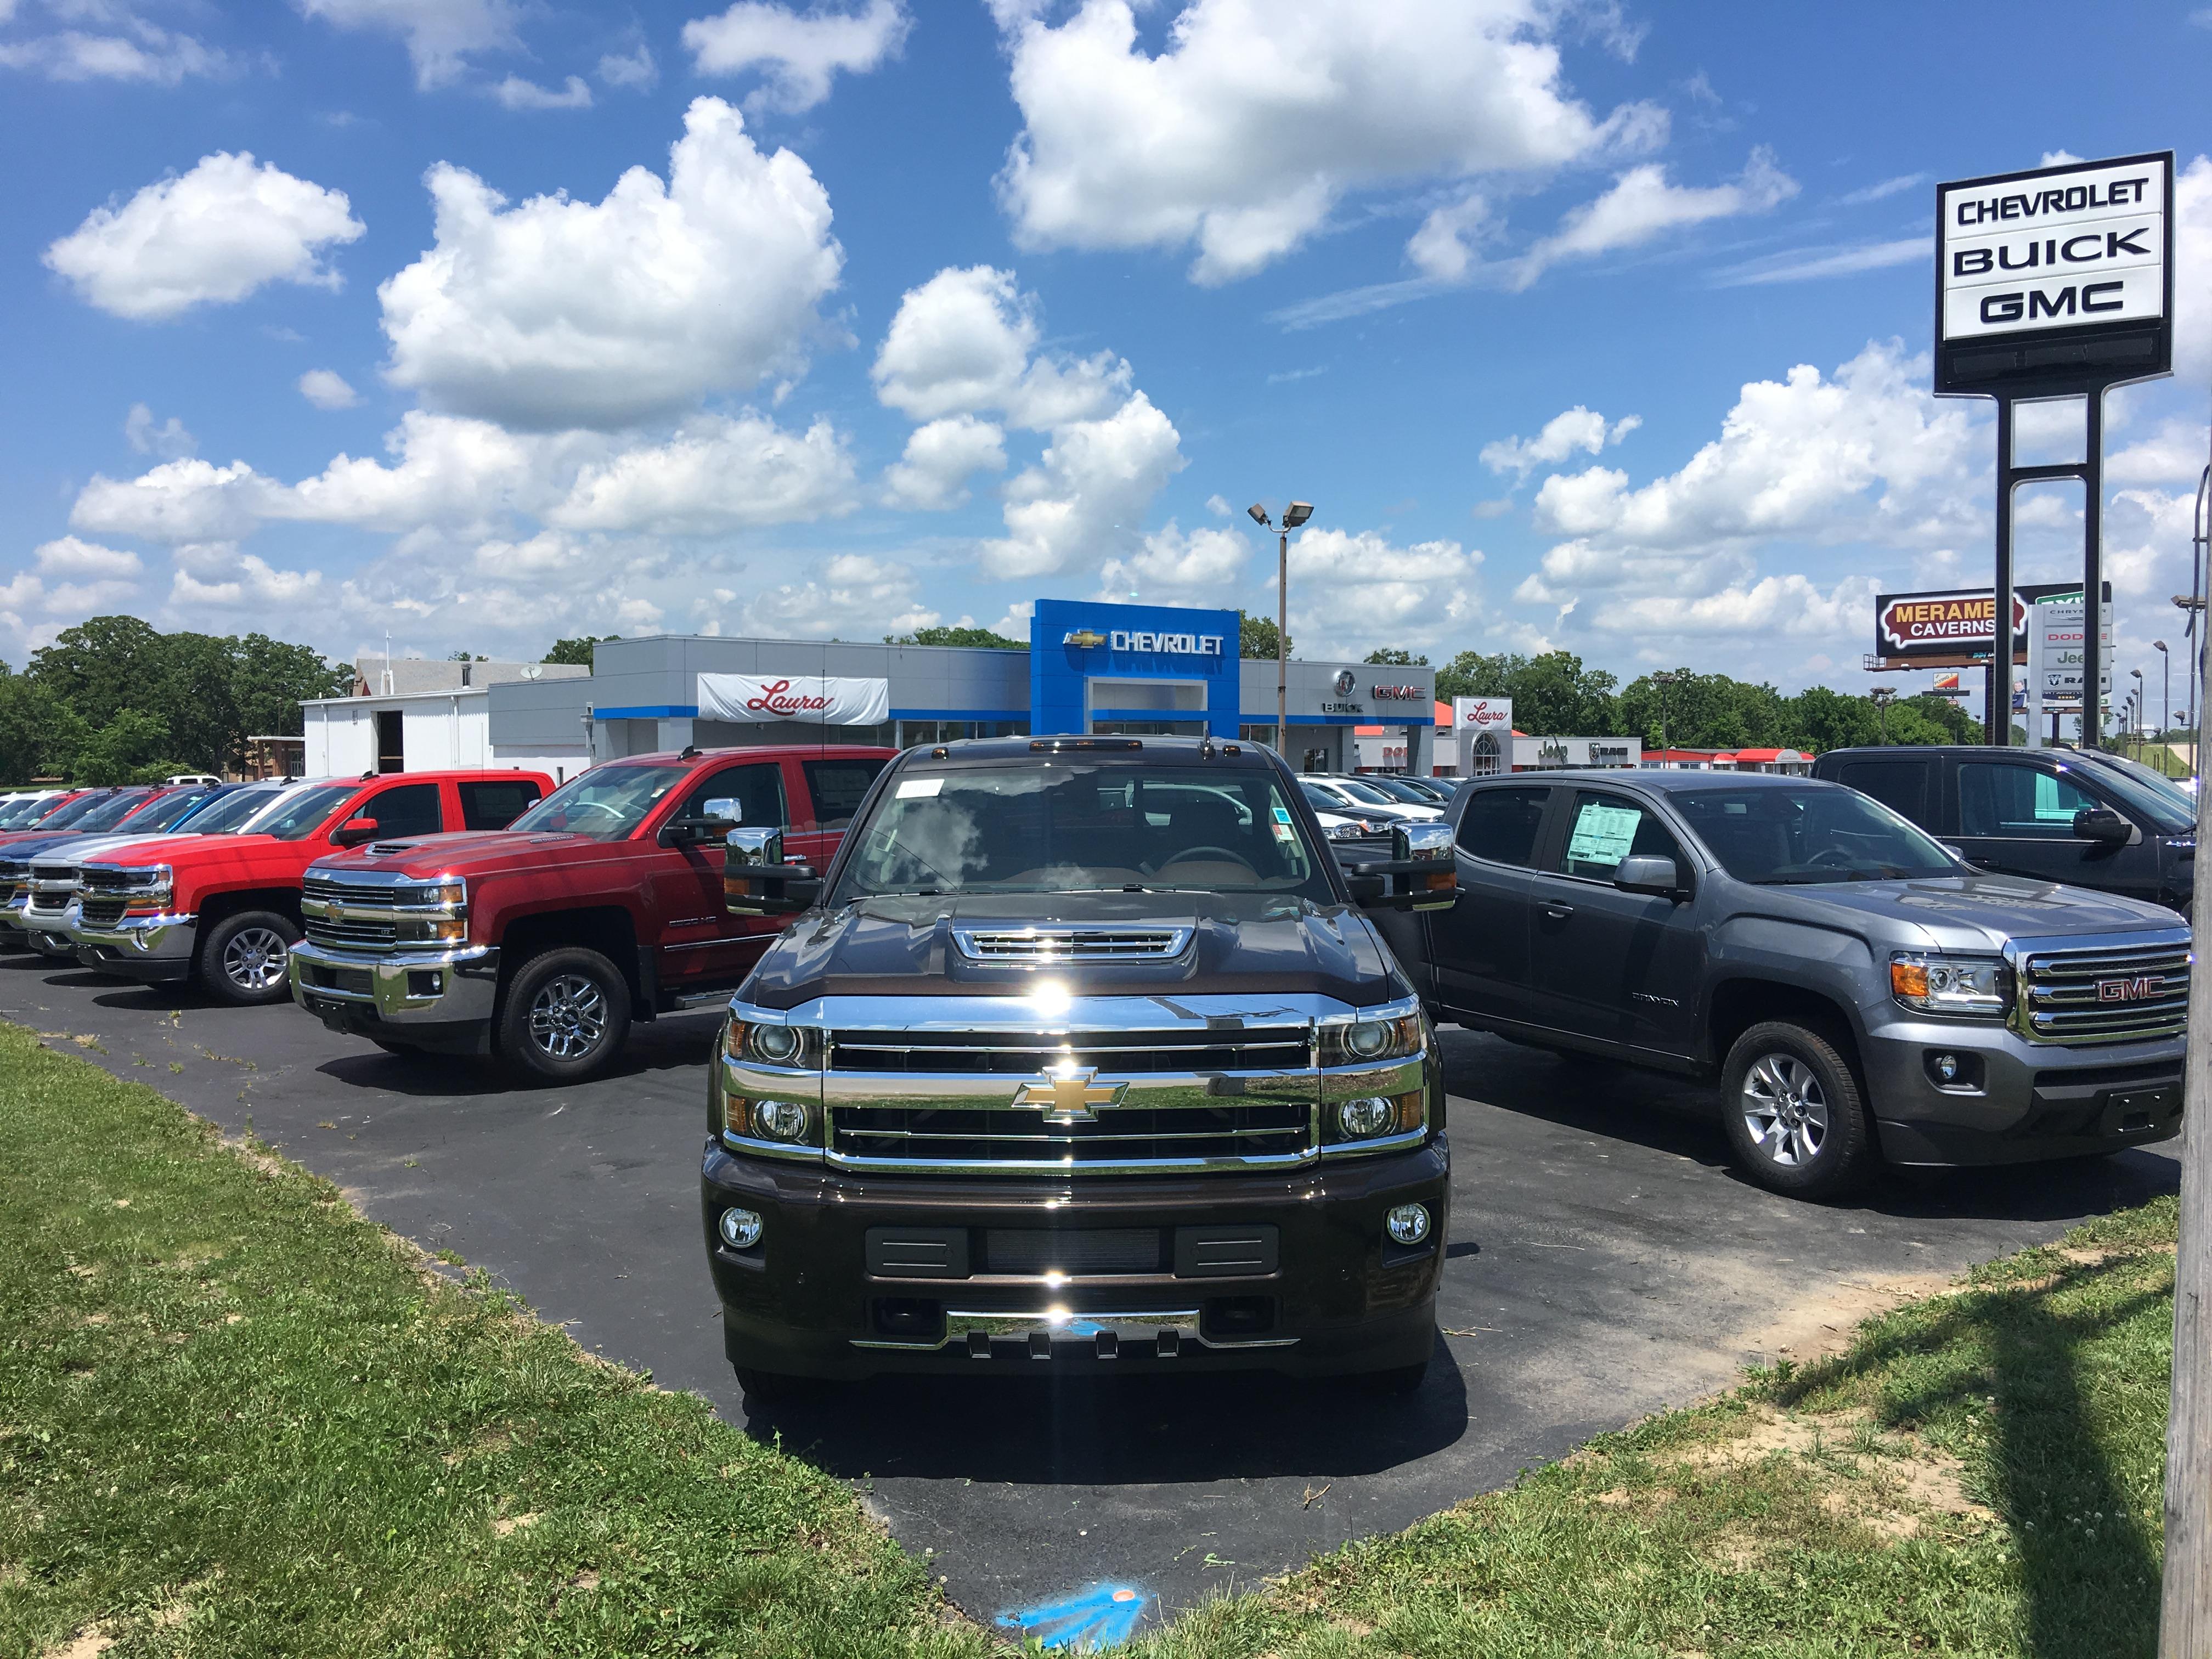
(2047, 278)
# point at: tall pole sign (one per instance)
(2055, 282)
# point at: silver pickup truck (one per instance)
(1861, 994)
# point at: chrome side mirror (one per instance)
(1648, 872)
(1421, 848)
(1422, 842)
(750, 847)
(723, 809)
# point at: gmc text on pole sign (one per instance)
(2053, 273)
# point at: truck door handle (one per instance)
(1559, 912)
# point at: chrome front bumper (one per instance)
(406, 990)
(149, 947)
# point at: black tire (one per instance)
(246, 958)
(1796, 1116)
(566, 1015)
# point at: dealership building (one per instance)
(1090, 667)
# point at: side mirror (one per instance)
(2103, 824)
(1648, 872)
(723, 809)
(353, 832)
(1420, 874)
(756, 882)
(714, 816)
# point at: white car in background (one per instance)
(1361, 799)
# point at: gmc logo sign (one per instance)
(2130, 990)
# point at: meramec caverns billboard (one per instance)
(1953, 622)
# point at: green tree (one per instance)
(133, 747)
(39, 733)
(270, 679)
(577, 651)
(1471, 674)
(1391, 656)
(1706, 711)
(1257, 638)
(982, 638)
(103, 666)
(1554, 695)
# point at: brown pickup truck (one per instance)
(601, 905)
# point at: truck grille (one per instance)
(1041, 945)
(102, 911)
(1138, 1100)
(2110, 995)
(1117, 1053)
(352, 933)
(52, 889)
(12, 878)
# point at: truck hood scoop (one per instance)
(1093, 944)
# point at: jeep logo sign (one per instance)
(2130, 990)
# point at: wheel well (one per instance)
(605, 928)
(283, 900)
(1740, 1004)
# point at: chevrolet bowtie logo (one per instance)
(1084, 637)
(1069, 1092)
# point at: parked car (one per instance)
(224, 910)
(25, 806)
(1861, 993)
(40, 877)
(1042, 1072)
(2076, 816)
(1406, 790)
(599, 907)
(1349, 794)
(64, 811)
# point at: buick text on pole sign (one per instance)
(2059, 273)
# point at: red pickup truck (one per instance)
(225, 909)
(601, 905)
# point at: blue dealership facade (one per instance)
(1090, 666)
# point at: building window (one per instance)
(1482, 758)
(391, 747)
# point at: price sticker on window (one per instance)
(1602, 834)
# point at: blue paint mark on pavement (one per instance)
(1103, 1616)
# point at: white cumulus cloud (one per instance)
(211, 236)
(1644, 203)
(1203, 567)
(326, 388)
(119, 45)
(1577, 429)
(962, 341)
(557, 313)
(1257, 116)
(939, 459)
(716, 474)
(634, 69)
(516, 93)
(169, 440)
(2176, 453)
(1353, 591)
(1084, 497)
(441, 34)
(800, 53)
(848, 595)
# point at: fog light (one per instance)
(1408, 1223)
(1369, 1115)
(779, 1120)
(1946, 1067)
(741, 1229)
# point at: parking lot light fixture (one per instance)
(1293, 515)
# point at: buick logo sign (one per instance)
(1346, 680)
(2130, 990)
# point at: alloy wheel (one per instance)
(255, 959)
(569, 1017)
(1785, 1110)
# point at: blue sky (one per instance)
(1601, 327)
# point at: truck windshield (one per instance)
(2160, 800)
(1814, 833)
(166, 813)
(303, 814)
(24, 810)
(228, 813)
(607, 803)
(1062, 827)
(111, 811)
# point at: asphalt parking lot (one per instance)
(1604, 1262)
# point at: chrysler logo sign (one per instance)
(2130, 990)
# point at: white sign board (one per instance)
(815, 699)
(1492, 714)
(2057, 641)
(2058, 248)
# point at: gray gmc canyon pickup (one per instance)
(1081, 1053)
(1861, 993)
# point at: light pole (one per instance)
(1663, 681)
(2134, 718)
(2165, 698)
(1881, 696)
(1293, 515)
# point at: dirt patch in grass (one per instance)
(1826, 1323)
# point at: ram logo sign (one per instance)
(2140, 989)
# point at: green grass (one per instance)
(1979, 1474)
(236, 1419)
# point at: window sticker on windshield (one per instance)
(1602, 834)
(914, 788)
(1283, 831)
(1282, 815)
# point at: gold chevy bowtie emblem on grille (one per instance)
(1069, 1092)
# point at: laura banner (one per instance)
(817, 699)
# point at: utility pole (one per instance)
(1293, 515)
(1663, 681)
(1882, 696)
(2185, 1627)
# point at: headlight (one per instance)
(1365, 1117)
(1930, 982)
(1346, 831)
(777, 1045)
(447, 889)
(1363, 1041)
(153, 888)
(780, 1119)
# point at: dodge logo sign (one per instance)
(1346, 680)
(2130, 990)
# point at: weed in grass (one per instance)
(180, 1478)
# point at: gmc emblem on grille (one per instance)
(2130, 990)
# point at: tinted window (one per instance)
(301, 815)
(2021, 802)
(605, 803)
(838, 787)
(66, 816)
(409, 809)
(1812, 832)
(1501, 824)
(226, 812)
(757, 788)
(2157, 799)
(1899, 785)
(112, 810)
(495, 805)
(1606, 829)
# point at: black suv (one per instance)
(2077, 816)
